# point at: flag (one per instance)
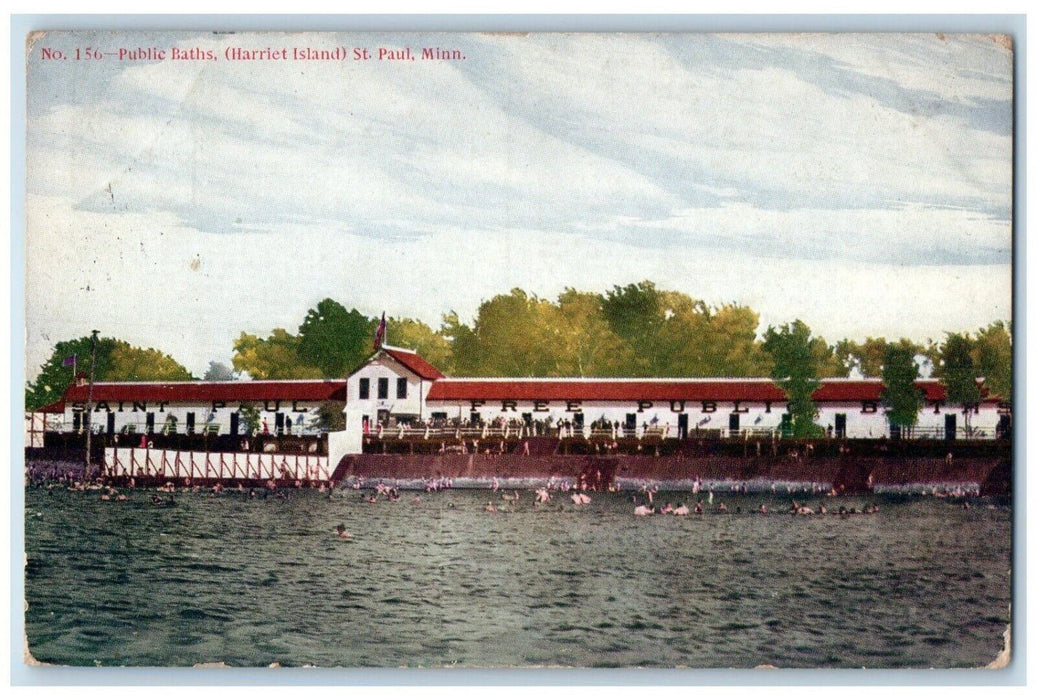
(69, 361)
(380, 333)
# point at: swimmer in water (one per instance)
(763, 509)
(341, 531)
(490, 508)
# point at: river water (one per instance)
(442, 582)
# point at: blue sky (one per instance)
(862, 183)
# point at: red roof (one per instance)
(56, 407)
(871, 390)
(304, 390)
(414, 362)
(606, 390)
(659, 390)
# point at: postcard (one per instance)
(500, 350)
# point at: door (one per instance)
(950, 426)
(111, 423)
(733, 423)
(786, 424)
(234, 418)
(149, 423)
(279, 423)
(189, 424)
(682, 426)
(840, 425)
(578, 420)
(77, 421)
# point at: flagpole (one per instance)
(90, 400)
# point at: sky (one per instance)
(859, 182)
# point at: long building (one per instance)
(216, 408)
(397, 387)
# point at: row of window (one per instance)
(383, 388)
(282, 423)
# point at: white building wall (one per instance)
(863, 419)
(384, 367)
(131, 418)
(707, 415)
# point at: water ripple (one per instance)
(923, 583)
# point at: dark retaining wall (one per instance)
(854, 473)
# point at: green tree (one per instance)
(794, 354)
(465, 351)
(697, 340)
(117, 361)
(515, 337)
(866, 358)
(275, 357)
(899, 394)
(419, 337)
(636, 313)
(335, 340)
(587, 345)
(957, 370)
(735, 349)
(992, 355)
(249, 417)
(131, 364)
(329, 417)
(219, 372)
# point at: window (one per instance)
(383, 387)
(401, 388)
(365, 388)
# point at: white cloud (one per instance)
(960, 67)
(540, 162)
(139, 281)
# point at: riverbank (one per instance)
(847, 467)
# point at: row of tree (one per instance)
(636, 330)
